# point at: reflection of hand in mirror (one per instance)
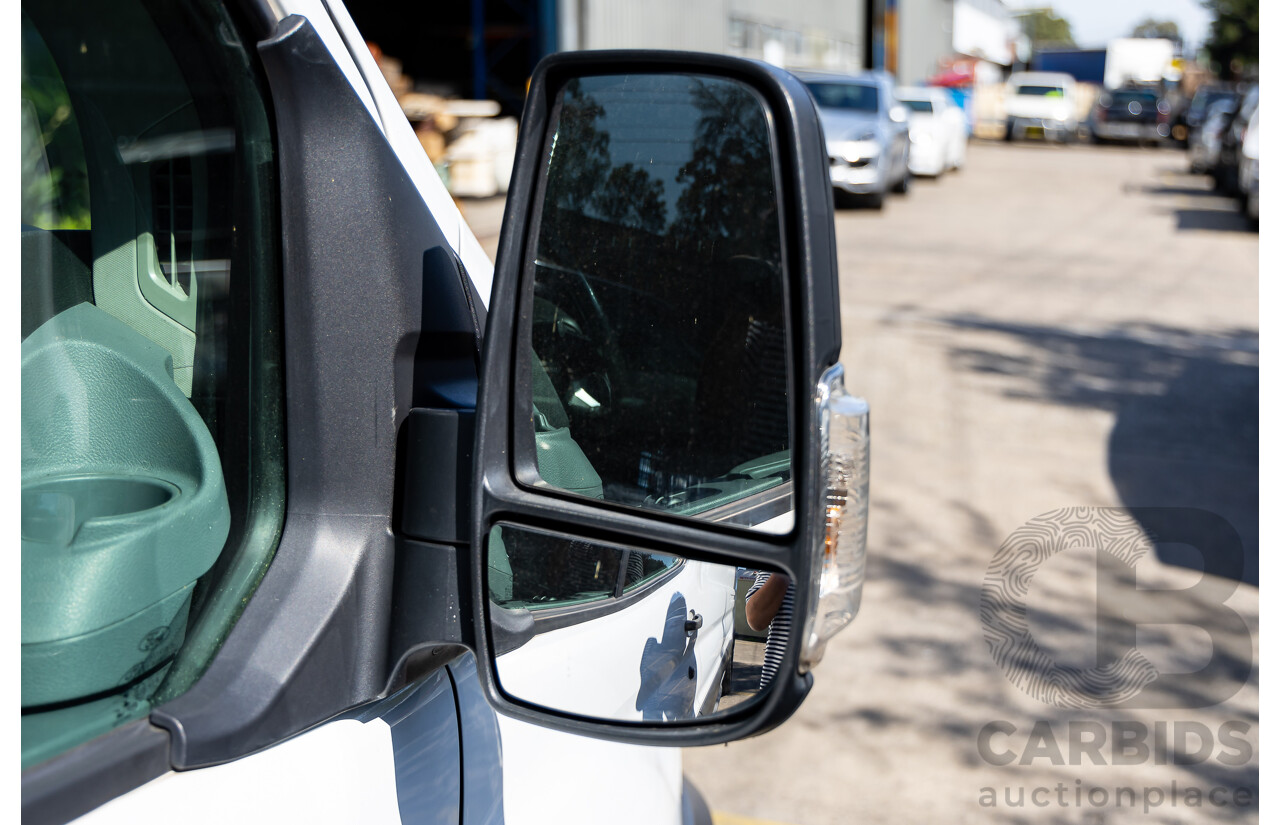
(770, 604)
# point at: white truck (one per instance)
(1138, 60)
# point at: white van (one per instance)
(328, 518)
(1040, 105)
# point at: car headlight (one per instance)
(840, 561)
(852, 151)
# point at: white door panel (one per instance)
(340, 772)
(553, 778)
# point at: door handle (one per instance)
(693, 625)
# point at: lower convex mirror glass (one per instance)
(624, 634)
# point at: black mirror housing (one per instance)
(813, 324)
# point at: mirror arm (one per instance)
(435, 452)
(430, 605)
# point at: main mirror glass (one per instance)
(621, 634)
(657, 336)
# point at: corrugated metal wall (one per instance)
(924, 35)
(696, 25)
(795, 33)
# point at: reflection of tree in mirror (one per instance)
(579, 152)
(730, 198)
(583, 179)
(660, 278)
(630, 198)
(55, 185)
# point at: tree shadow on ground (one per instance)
(1186, 407)
(1185, 436)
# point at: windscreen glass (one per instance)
(857, 97)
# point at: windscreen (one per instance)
(1203, 100)
(1121, 100)
(1041, 91)
(856, 97)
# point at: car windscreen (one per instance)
(1203, 100)
(1121, 100)
(857, 97)
(1041, 91)
(919, 106)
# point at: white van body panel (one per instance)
(340, 772)
(553, 778)
(643, 671)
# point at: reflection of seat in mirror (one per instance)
(742, 397)
(561, 462)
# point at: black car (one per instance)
(1133, 114)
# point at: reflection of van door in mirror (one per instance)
(617, 633)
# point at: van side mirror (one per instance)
(659, 359)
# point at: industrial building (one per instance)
(438, 54)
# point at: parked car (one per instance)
(1196, 113)
(867, 133)
(1226, 173)
(1206, 141)
(1133, 115)
(283, 423)
(1250, 148)
(938, 132)
(1040, 105)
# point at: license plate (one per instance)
(1035, 131)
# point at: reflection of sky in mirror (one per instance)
(652, 123)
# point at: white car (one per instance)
(866, 131)
(1041, 105)
(1250, 144)
(939, 135)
